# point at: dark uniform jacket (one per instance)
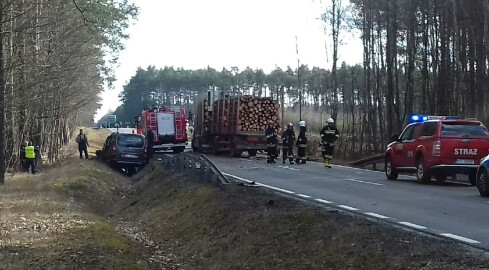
(288, 138)
(272, 138)
(150, 136)
(329, 135)
(302, 139)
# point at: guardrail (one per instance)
(196, 165)
(372, 160)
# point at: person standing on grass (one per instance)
(22, 156)
(82, 141)
(30, 158)
(150, 136)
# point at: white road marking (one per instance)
(237, 177)
(365, 182)
(276, 188)
(289, 168)
(304, 196)
(259, 184)
(412, 225)
(376, 215)
(461, 238)
(323, 201)
(347, 207)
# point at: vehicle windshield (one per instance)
(130, 141)
(463, 130)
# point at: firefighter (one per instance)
(329, 135)
(30, 158)
(272, 141)
(301, 144)
(82, 141)
(288, 139)
(150, 136)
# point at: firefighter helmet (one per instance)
(290, 125)
(302, 123)
(330, 121)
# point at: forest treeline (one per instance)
(55, 57)
(419, 56)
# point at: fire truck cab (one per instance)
(168, 125)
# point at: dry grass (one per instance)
(51, 220)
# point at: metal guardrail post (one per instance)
(192, 165)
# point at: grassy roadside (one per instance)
(83, 215)
(54, 220)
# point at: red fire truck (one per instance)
(169, 126)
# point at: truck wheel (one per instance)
(440, 177)
(179, 149)
(483, 183)
(422, 174)
(473, 178)
(390, 171)
(236, 153)
(252, 153)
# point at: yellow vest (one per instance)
(29, 152)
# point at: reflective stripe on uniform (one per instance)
(271, 145)
(302, 145)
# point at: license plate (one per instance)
(464, 162)
(131, 156)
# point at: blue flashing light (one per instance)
(423, 118)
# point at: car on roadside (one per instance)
(125, 151)
(438, 146)
(482, 180)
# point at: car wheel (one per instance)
(440, 177)
(131, 170)
(252, 153)
(473, 178)
(483, 183)
(422, 173)
(390, 171)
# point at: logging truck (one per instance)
(232, 123)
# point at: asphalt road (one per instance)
(451, 210)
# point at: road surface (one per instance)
(452, 210)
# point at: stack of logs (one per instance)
(238, 114)
(254, 113)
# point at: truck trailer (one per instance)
(233, 123)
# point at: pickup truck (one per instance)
(438, 148)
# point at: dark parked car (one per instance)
(482, 181)
(125, 151)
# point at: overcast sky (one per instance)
(195, 34)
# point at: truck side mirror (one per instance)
(394, 138)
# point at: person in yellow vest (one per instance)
(30, 158)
